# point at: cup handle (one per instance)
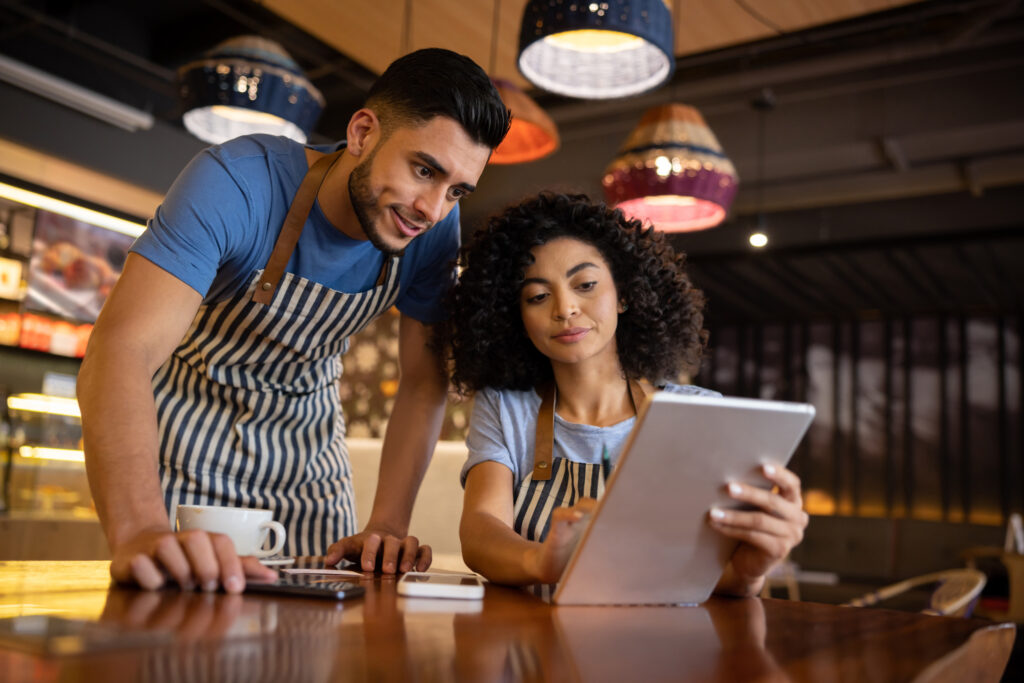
(279, 537)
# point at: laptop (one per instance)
(649, 542)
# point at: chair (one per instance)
(955, 595)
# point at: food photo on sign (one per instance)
(73, 267)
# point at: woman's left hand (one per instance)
(768, 533)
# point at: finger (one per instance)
(229, 566)
(756, 522)
(198, 547)
(410, 544)
(787, 481)
(389, 554)
(768, 501)
(424, 557)
(772, 546)
(350, 546)
(252, 568)
(586, 505)
(371, 544)
(172, 558)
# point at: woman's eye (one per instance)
(536, 298)
(586, 286)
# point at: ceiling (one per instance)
(890, 132)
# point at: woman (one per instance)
(568, 306)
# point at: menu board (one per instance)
(73, 266)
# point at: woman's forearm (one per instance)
(494, 550)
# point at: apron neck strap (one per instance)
(545, 435)
(294, 221)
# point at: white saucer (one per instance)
(276, 561)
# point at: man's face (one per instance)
(410, 180)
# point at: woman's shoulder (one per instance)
(690, 390)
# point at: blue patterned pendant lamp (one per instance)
(248, 85)
(597, 49)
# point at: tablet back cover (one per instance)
(649, 541)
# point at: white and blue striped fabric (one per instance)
(249, 413)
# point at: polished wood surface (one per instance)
(171, 636)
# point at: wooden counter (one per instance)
(170, 636)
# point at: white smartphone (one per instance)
(432, 585)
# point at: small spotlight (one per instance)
(758, 239)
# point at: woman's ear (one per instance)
(363, 132)
(623, 306)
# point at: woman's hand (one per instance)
(567, 524)
(767, 534)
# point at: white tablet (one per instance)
(649, 541)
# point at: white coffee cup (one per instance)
(247, 528)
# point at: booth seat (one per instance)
(435, 516)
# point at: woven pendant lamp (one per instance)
(672, 172)
(247, 85)
(597, 49)
(533, 135)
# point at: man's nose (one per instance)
(431, 205)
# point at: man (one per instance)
(211, 375)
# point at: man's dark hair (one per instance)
(659, 335)
(436, 82)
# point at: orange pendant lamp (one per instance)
(533, 135)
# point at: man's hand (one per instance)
(567, 524)
(375, 548)
(189, 558)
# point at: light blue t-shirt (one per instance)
(503, 428)
(221, 218)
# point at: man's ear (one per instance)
(363, 132)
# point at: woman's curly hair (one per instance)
(659, 334)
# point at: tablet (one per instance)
(649, 541)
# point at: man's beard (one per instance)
(364, 203)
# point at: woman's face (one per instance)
(569, 303)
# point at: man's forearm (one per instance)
(119, 430)
(409, 442)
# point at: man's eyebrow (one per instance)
(433, 163)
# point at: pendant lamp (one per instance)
(248, 85)
(597, 49)
(532, 135)
(672, 172)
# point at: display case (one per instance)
(44, 470)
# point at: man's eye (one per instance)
(457, 194)
(423, 172)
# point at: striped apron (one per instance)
(248, 408)
(555, 482)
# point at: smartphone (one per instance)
(432, 585)
(309, 586)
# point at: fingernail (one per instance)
(769, 469)
(406, 567)
(188, 586)
(210, 586)
(389, 567)
(717, 514)
(735, 489)
(233, 584)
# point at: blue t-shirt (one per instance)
(220, 220)
(503, 428)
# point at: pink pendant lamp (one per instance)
(672, 172)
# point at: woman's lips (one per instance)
(573, 334)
